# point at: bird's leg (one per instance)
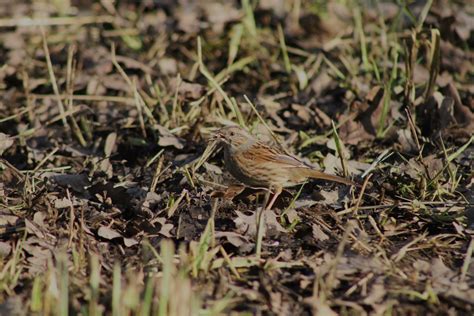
(278, 190)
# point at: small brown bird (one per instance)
(257, 164)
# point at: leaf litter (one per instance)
(110, 197)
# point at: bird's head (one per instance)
(233, 135)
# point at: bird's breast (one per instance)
(247, 170)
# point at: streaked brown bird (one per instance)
(257, 164)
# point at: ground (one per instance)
(114, 200)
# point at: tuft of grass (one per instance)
(234, 43)
(117, 303)
(63, 297)
(203, 252)
(434, 62)
(70, 75)
(362, 39)
(167, 253)
(249, 19)
(37, 295)
(52, 78)
(94, 283)
(340, 150)
(284, 51)
(387, 97)
(261, 224)
(451, 157)
(231, 105)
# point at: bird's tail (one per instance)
(316, 174)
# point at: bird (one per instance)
(260, 165)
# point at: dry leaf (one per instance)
(32, 229)
(218, 14)
(168, 66)
(62, 203)
(168, 139)
(110, 143)
(5, 249)
(77, 182)
(234, 238)
(318, 233)
(166, 228)
(5, 142)
(129, 242)
(187, 90)
(108, 233)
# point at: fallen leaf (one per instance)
(406, 141)
(168, 66)
(111, 81)
(318, 233)
(332, 165)
(6, 220)
(292, 215)
(353, 132)
(321, 83)
(464, 24)
(129, 242)
(272, 223)
(234, 238)
(376, 295)
(166, 138)
(165, 228)
(12, 305)
(5, 249)
(151, 199)
(131, 63)
(62, 203)
(108, 233)
(247, 224)
(218, 14)
(187, 90)
(5, 142)
(77, 182)
(110, 143)
(188, 18)
(39, 218)
(32, 229)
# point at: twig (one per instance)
(384, 155)
(339, 149)
(71, 220)
(467, 261)
(15, 171)
(359, 200)
(35, 22)
(43, 161)
(261, 225)
(139, 102)
(78, 97)
(71, 72)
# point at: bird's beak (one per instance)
(217, 136)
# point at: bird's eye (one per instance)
(232, 134)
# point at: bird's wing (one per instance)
(291, 161)
(269, 154)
